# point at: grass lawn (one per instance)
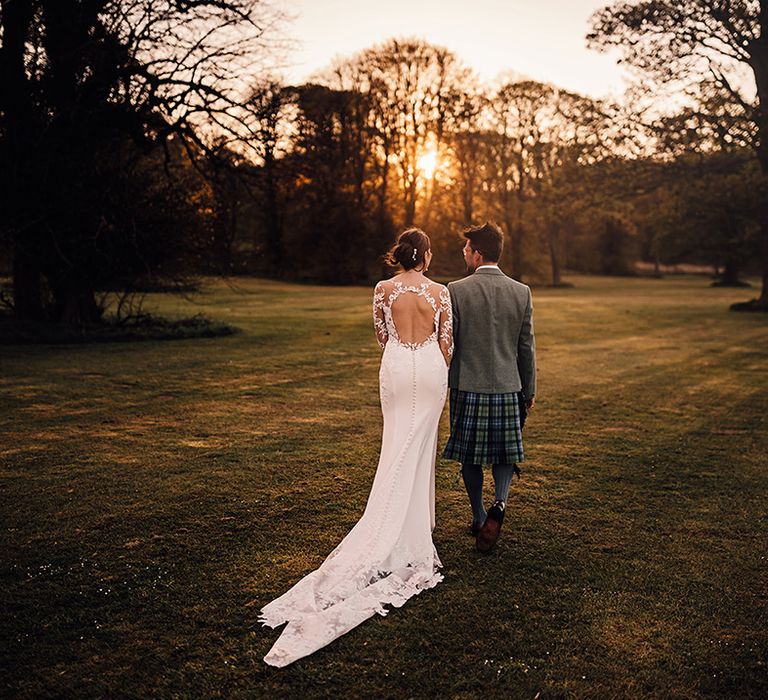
(156, 494)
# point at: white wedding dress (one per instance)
(388, 556)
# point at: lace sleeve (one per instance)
(446, 324)
(379, 323)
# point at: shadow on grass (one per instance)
(145, 327)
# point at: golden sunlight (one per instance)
(427, 163)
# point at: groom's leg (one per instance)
(473, 480)
(502, 478)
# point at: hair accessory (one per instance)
(414, 253)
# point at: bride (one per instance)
(388, 556)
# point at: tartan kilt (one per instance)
(486, 428)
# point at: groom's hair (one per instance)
(488, 240)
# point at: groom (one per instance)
(492, 376)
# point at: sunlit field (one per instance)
(157, 494)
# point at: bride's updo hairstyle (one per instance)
(409, 250)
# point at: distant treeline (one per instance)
(403, 135)
(131, 161)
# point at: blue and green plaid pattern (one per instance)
(485, 428)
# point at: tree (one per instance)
(544, 142)
(373, 123)
(271, 104)
(712, 216)
(78, 78)
(712, 52)
(467, 140)
(519, 112)
(582, 134)
(413, 83)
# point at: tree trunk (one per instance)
(518, 234)
(383, 188)
(76, 306)
(27, 280)
(515, 247)
(17, 124)
(763, 301)
(554, 254)
(467, 195)
(274, 224)
(516, 230)
(410, 205)
(232, 233)
(426, 216)
(759, 61)
(730, 276)
(509, 226)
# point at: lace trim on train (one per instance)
(360, 597)
(350, 582)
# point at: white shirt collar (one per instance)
(482, 266)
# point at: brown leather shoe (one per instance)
(489, 532)
(473, 529)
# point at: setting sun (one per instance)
(427, 163)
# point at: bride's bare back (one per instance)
(413, 317)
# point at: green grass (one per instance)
(156, 494)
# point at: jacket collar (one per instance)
(488, 271)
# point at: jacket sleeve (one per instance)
(526, 351)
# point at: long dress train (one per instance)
(388, 556)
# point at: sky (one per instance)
(538, 39)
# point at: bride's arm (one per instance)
(379, 324)
(446, 325)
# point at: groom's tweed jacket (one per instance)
(494, 346)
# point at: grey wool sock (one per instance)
(473, 481)
(502, 478)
